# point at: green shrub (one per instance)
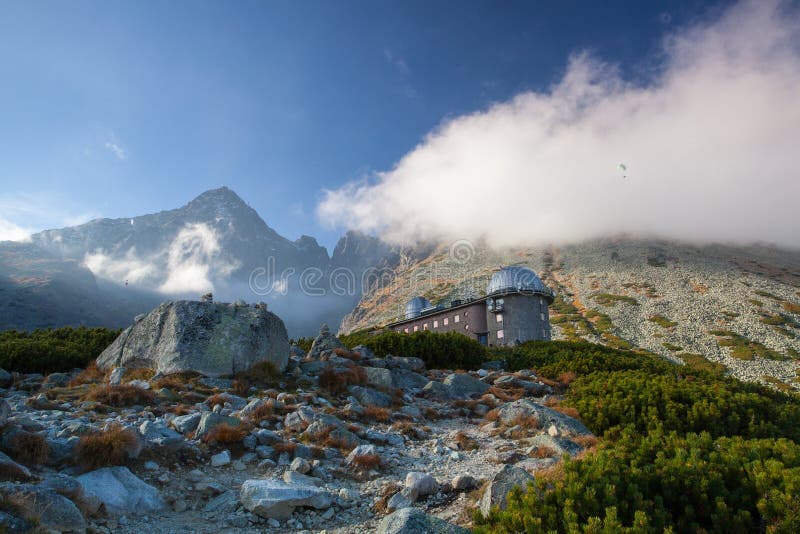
(450, 350)
(646, 402)
(49, 351)
(664, 483)
(609, 299)
(551, 358)
(662, 321)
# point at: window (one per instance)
(416, 328)
(436, 324)
(499, 317)
(457, 319)
(541, 315)
(500, 334)
(405, 330)
(466, 314)
(425, 326)
(466, 327)
(446, 321)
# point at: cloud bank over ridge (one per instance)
(710, 146)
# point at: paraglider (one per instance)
(623, 169)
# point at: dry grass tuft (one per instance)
(386, 493)
(122, 395)
(225, 434)
(493, 415)
(264, 373)
(350, 355)
(543, 452)
(29, 448)
(527, 422)
(375, 413)
(113, 446)
(566, 378)
(431, 413)
(241, 386)
(586, 441)
(180, 409)
(338, 379)
(507, 394)
(285, 446)
(465, 443)
(216, 400)
(172, 382)
(142, 373)
(366, 461)
(262, 412)
(90, 375)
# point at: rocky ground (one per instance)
(752, 292)
(341, 442)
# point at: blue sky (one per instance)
(122, 108)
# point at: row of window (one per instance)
(445, 322)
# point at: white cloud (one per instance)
(710, 145)
(130, 268)
(117, 150)
(193, 260)
(11, 232)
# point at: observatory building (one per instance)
(514, 310)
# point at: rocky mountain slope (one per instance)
(737, 305)
(216, 243)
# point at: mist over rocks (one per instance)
(211, 338)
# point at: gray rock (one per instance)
(14, 524)
(415, 521)
(209, 420)
(121, 491)
(224, 503)
(276, 499)
(379, 377)
(267, 437)
(56, 380)
(186, 423)
(11, 470)
(59, 450)
(156, 434)
(324, 341)
(462, 386)
(370, 397)
(511, 411)
(408, 363)
(115, 376)
(421, 484)
(300, 465)
(376, 436)
(399, 501)
(5, 412)
(559, 445)
(5, 378)
(221, 459)
(405, 379)
(463, 482)
(503, 482)
(264, 452)
(50, 510)
(365, 352)
(72, 489)
(236, 402)
(217, 383)
(293, 477)
(361, 450)
(195, 475)
(210, 338)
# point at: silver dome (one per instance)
(415, 306)
(518, 278)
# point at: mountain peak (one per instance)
(220, 195)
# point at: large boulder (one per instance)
(415, 521)
(122, 492)
(463, 386)
(276, 499)
(511, 412)
(51, 511)
(496, 492)
(324, 341)
(214, 339)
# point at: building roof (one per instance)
(415, 306)
(518, 278)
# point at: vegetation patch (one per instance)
(337, 379)
(730, 314)
(52, 350)
(671, 347)
(767, 295)
(610, 299)
(662, 321)
(779, 384)
(644, 288)
(701, 363)
(791, 307)
(450, 350)
(115, 445)
(121, 395)
(743, 348)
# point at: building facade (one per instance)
(514, 310)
